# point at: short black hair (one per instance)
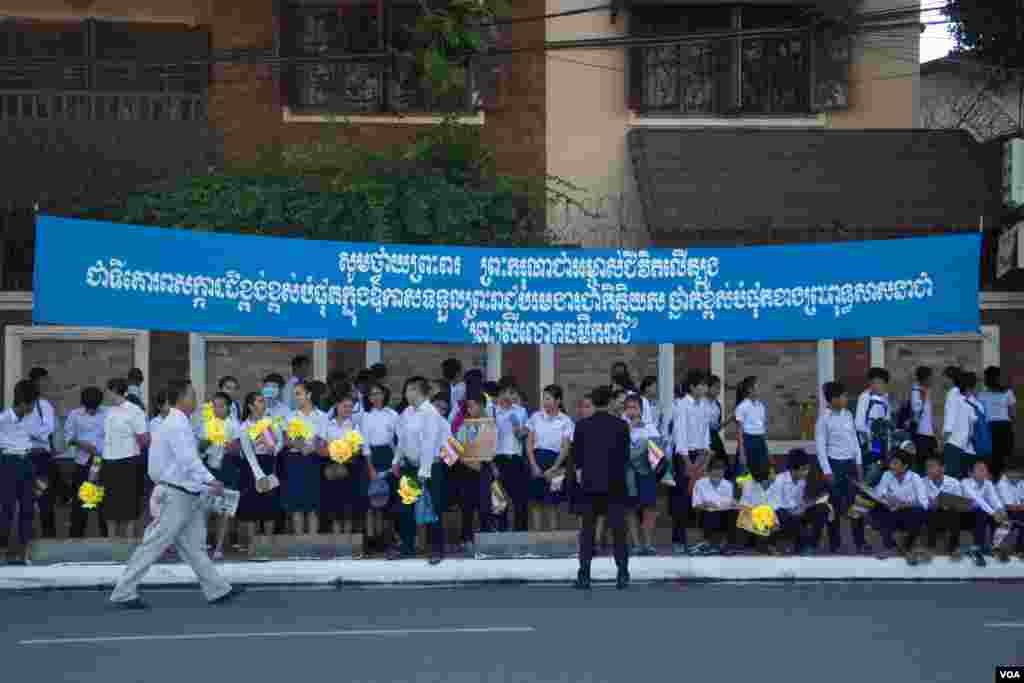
(994, 378)
(225, 379)
(451, 368)
(299, 361)
(647, 382)
(222, 396)
(713, 380)
(274, 378)
(176, 390)
(473, 375)
(25, 393)
(952, 373)
(878, 373)
(421, 383)
(902, 456)
(507, 381)
(383, 388)
(554, 391)
(135, 375)
(36, 374)
(968, 381)
(441, 397)
(118, 385)
(833, 390)
(92, 397)
(379, 371)
(695, 377)
(923, 374)
(601, 397)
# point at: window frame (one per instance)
(388, 64)
(726, 102)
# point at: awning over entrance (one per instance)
(735, 186)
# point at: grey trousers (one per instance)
(180, 520)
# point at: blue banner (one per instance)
(125, 276)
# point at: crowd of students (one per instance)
(288, 483)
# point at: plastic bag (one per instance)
(425, 514)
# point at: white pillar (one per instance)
(197, 364)
(718, 361)
(493, 362)
(826, 366)
(374, 353)
(320, 359)
(666, 376)
(546, 364)
(878, 352)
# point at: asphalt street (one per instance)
(698, 632)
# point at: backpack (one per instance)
(981, 432)
(906, 419)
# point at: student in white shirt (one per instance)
(692, 437)
(649, 406)
(302, 464)
(873, 418)
(904, 502)
(344, 500)
(125, 434)
(229, 385)
(83, 434)
(379, 426)
(451, 371)
(1011, 493)
(259, 504)
(961, 414)
(223, 459)
(547, 447)
(988, 508)
(801, 521)
(715, 497)
(1000, 405)
(922, 418)
(641, 484)
(513, 469)
(942, 520)
(840, 458)
(16, 470)
(751, 425)
(422, 435)
(42, 423)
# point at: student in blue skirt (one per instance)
(641, 484)
(302, 463)
(751, 425)
(222, 459)
(259, 507)
(343, 494)
(546, 449)
(379, 425)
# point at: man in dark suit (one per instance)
(601, 450)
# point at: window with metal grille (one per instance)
(752, 75)
(369, 64)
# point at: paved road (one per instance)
(707, 633)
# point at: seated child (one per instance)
(714, 496)
(988, 508)
(904, 502)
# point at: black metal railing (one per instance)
(76, 105)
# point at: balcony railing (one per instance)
(72, 105)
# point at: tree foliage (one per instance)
(991, 30)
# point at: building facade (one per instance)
(742, 139)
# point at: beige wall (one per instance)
(587, 116)
(175, 11)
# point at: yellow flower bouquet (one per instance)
(298, 429)
(216, 431)
(344, 449)
(260, 428)
(207, 412)
(91, 495)
(409, 490)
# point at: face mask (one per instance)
(270, 392)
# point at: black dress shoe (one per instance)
(135, 605)
(229, 596)
(622, 581)
(582, 581)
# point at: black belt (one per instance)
(178, 488)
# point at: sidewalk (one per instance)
(470, 571)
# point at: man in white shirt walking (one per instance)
(179, 517)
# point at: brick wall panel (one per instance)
(74, 365)
(580, 369)
(250, 362)
(787, 376)
(902, 358)
(408, 360)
